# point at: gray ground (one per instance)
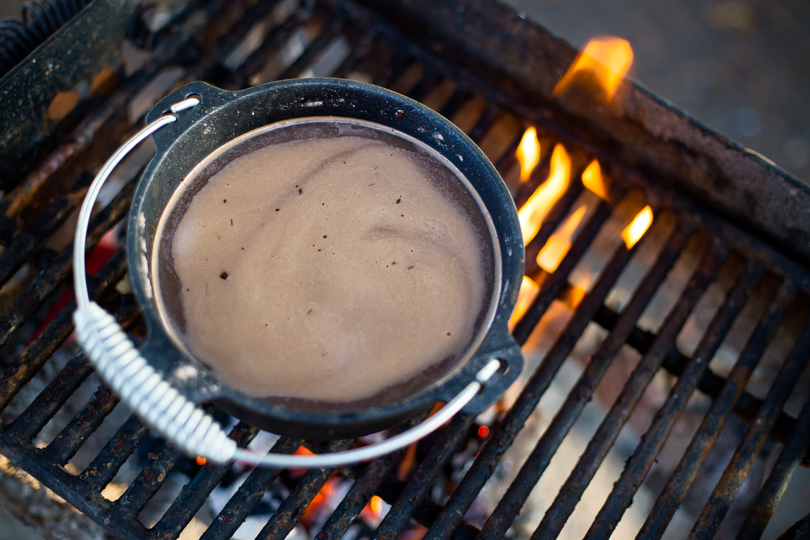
(738, 66)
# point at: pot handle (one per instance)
(508, 352)
(160, 404)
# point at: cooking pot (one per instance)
(202, 128)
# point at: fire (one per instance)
(483, 432)
(528, 292)
(321, 501)
(372, 513)
(593, 180)
(532, 213)
(633, 232)
(528, 153)
(572, 296)
(376, 505)
(608, 58)
(201, 461)
(558, 245)
(408, 461)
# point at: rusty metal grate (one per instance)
(294, 40)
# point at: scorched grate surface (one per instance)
(235, 44)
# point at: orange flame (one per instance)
(572, 296)
(593, 180)
(532, 213)
(608, 58)
(407, 463)
(559, 243)
(633, 232)
(528, 292)
(376, 505)
(483, 432)
(528, 153)
(201, 461)
(320, 500)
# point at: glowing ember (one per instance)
(407, 463)
(376, 505)
(559, 243)
(608, 58)
(593, 180)
(201, 461)
(483, 432)
(526, 295)
(528, 153)
(321, 501)
(532, 214)
(572, 296)
(633, 232)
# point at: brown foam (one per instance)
(327, 269)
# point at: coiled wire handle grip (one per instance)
(175, 417)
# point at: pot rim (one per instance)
(182, 144)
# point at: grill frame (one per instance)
(556, 121)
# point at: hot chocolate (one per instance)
(324, 267)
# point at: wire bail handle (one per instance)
(175, 417)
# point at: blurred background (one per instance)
(738, 66)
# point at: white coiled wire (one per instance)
(175, 417)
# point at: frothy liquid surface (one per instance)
(325, 269)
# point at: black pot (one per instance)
(202, 131)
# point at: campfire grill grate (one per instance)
(390, 57)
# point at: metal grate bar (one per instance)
(48, 280)
(209, 67)
(248, 495)
(85, 134)
(61, 481)
(312, 50)
(296, 503)
(257, 59)
(394, 67)
(357, 53)
(52, 398)
(619, 413)
(81, 426)
(715, 419)
(726, 489)
(504, 434)
(364, 487)
(55, 333)
(651, 443)
(427, 512)
(538, 177)
(484, 123)
(427, 83)
(551, 221)
(194, 494)
(711, 384)
(148, 482)
(368, 35)
(358, 497)
(557, 281)
(777, 482)
(105, 465)
(799, 531)
(509, 158)
(418, 486)
(538, 460)
(459, 97)
(59, 390)
(27, 241)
